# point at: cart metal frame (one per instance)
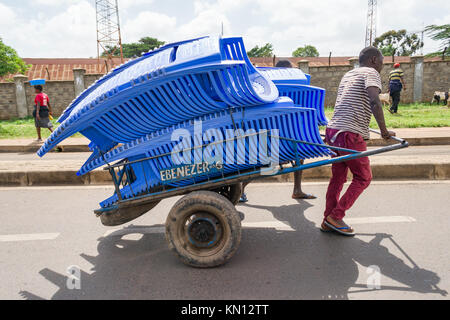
(122, 176)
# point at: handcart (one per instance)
(203, 228)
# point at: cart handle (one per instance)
(402, 141)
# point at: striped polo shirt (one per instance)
(396, 74)
(352, 111)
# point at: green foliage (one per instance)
(442, 34)
(398, 43)
(306, 51)
(264, 51)
(420, 115)
(24, 128)
(409, 116)
(133, 50)
(10, 62)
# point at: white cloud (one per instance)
(70, 33)
(7, 16)
(125, 4)
(67, 27)
(148, 23)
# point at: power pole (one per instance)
(108, 30)
(371, 30)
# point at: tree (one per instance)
(264, 51)
(398, 43)
(306, 51)
(10, 62)
(442, 34)
(135, 49)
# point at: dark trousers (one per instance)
(395, 101)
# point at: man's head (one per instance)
(38, 88)
(283, 64)
(371, 57)
(397, 65)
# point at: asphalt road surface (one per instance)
(400, 251)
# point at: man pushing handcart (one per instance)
(197, 119)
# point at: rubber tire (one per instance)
(121, 216)
(212, 203)
(232, 192)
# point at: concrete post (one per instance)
(78, 81)
(354, 62)
(304, 66)
(21, 96)
(418, 78)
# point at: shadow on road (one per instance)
(270, 264)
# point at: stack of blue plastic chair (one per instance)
(141, 103)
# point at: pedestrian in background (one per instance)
(42, 111)
(396, 84)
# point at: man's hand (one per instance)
(37, 117)
(387, 134)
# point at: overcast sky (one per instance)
(66, 28)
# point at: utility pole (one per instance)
(108, 30)
(371, 29)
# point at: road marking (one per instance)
(274, 224)
(130, 230)
(28, 237)
(387, 219)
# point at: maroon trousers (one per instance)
(360, 168)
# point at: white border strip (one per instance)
(28, 237)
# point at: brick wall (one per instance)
(7, 101)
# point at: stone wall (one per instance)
(91, 78)
(436, 77)
(8, 100)
(328, 78)
(61, 94)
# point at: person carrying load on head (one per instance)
(357, 99)
(396, 84)
(42, 112)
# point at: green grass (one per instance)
(412, 116)
(23, 128)
(409, 116)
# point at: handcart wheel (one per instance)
(123, 215)
(204, 229)
(232, 192)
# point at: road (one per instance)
(402, 232)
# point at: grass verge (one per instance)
(409, 116)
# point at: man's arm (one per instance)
(377, 111)
(49, 107)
